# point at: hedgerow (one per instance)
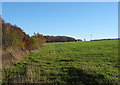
(14, 37)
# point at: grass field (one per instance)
(77, 63)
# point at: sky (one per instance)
(60, 0)
(75, 19)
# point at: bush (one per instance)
(37, 40)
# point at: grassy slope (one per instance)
(73, 62)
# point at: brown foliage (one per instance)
(14, 37)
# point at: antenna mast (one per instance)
(91, 37)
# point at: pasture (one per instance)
(76, 63)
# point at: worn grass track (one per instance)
(82, 63)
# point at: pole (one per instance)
(91, 37)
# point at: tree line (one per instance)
(14, 37)
(50, 39)
(106, 39)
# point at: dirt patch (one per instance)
(11, 56)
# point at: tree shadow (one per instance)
(80, 77)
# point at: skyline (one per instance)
(76, 19)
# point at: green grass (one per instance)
(82, 63)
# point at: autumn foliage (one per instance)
(14, 37)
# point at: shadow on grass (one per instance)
(80, 77)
